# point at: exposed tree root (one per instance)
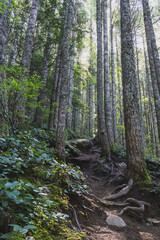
(121, 193)
(139, 209)
(106, 203)
(118, 188)
(116, 179)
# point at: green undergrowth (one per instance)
(34, 188)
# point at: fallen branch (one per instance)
(139, 209)
(76, 218)
(121, 193)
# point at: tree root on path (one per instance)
(118, 188)
(139, 209)
(106, 203)
(121, 193)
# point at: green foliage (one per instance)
(21, 89)
(149, 150)
(34, 184)
(18, 84)
(118, 149)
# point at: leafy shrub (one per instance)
(34, 183)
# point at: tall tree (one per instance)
(60, 146)
(103, 139)
(134, 138)
(114, 110)
(107, 97)
(52, 120)
(71, 72)
(153, 59)
(4, 28)
(44, 74)
(28, 44)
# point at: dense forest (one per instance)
(79, 119)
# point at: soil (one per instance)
(102, 179)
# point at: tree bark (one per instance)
(60, 146)
(103, 139)
(52, 115)
(4, 28)
(107, 97)
(74, 38)
(134, 137)
(114, 110)
(153, 59)
(28, 44)
(153, 126)
(44, 74)
(150, 32)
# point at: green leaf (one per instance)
(15, 227)
(11, 185)
(6, 235)
(4, 204)
(48, 202)
(30, 185)
(30, 227)
(23, 231)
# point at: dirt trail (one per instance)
(92, 215)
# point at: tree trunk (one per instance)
(107, 97)
(150, 33)
(44, 74)
(114, 110)
(134, 138)
(139, 88)
(74, 38)
(60, 146)
(4, 28)
(153, 60)
(153, 126)
(103, 139)
(52, 115)
(120, 95)
(27, 49)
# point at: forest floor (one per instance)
(102, 181)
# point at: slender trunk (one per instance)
(152, 60)
(91, 84)
(60, 146)
(4, 28)
(150, 33)
(28, 44)
(151, 110)
(44, 74)
(120, 96)
(74, 38)
(134, 137)
(107, 97)
(100, 110)
(54, 102)
(114, 111)
(139, 88)
(52, 118)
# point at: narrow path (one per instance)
(93, 216)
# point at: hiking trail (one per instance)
(102, 180)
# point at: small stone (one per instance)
(116, 223)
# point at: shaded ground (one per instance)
(102, 181)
